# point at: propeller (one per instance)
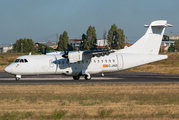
(65, 55)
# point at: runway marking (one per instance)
(65, 78)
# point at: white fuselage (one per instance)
(56, 64)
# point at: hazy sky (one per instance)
(42, 19)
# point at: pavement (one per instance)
(114, 77)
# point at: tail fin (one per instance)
(150, 42)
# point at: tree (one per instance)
(70, 47)
(91, 37)
(24, 45)
(86, 47)
(116, 37)
(42, 48)
(89, 40)
(63, 42)
(120, 39)
(177, 45)
(171, 48)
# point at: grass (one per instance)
(90, 101)
(58, 114)
(16, 115)
(105, 113)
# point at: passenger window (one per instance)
(94, 61)
(86, 61)
(109, 60)
(98, 61)
(59, 62)
(25, 60)
(105, 61)
(102, 61)
(17, 60)
(113, 60)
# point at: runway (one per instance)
(116, 77)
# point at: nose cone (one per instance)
(7, 69)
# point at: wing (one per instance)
(98, 52)
(84, 55)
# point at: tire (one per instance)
(86, 77)
(76, 77)
(17, 79)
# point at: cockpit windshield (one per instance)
(21, 60)
(17, 60)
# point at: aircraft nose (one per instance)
(7, 69)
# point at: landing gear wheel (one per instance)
(87, 78)
(76, 77)
(17, 79)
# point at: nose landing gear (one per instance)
(18, 77)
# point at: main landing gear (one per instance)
(87, 77)
(76, 77)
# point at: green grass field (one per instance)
(90, 101)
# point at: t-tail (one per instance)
(146, 49)
(151, 41)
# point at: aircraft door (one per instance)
(119, 62)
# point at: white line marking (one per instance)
(66, 78)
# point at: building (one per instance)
(127, 45)
(168, 40)
(101, 43)
(170, 37)
(5, 49)
(75, 42)
(164, 48)
(53, 45)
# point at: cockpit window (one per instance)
(17, 60)
(21, 60)
(25, 60)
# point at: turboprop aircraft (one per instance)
(86, 63)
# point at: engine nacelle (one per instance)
(78, 56)
(75, 56)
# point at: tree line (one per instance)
(115, 37)
(24, 45)
(116, 40)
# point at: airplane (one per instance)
(86, 63)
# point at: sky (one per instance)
(40, 20)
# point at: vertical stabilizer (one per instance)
(151, 41)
